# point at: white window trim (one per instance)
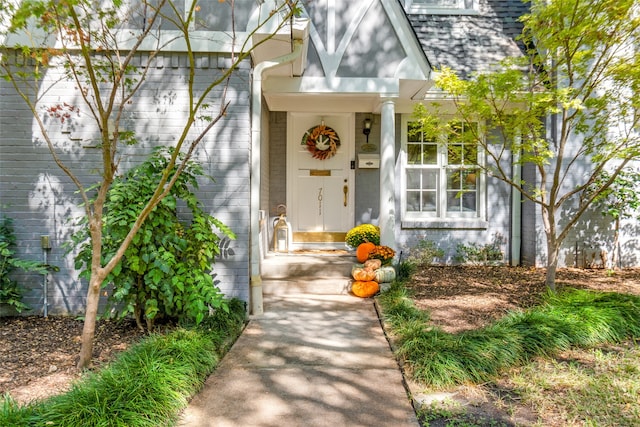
(440, 219)
(421, 7)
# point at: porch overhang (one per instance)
(342, 94)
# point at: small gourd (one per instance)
(363, 251)
(385, 274)
(364, 289)
(363, 274)
(373, 264)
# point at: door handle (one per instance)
(345, 190)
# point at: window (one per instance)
(441, 178)
(441, 6)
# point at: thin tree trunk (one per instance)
(615, 257)
(552, 265)
(91, 315)
(98, 274)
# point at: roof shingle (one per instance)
(471, 43)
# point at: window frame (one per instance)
(441, 217)
(457, 7)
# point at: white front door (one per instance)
(320, 188)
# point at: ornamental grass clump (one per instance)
(361, 234)
(574, 318)
(148, 385)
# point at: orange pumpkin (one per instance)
(364, 289)
(363, 251)
(363, 274)
(373, 264)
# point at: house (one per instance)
(317, 128)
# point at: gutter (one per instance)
(255, 297)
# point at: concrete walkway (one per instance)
(310, 360)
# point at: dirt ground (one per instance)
(470, 297)
(38, 355)
(462, 298)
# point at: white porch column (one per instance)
(388, 175)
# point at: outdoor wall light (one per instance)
(366, 128)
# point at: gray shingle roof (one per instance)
(471, 43)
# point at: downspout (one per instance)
(255, 297)
(516, 206)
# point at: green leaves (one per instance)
(10, 291)
(569, 107)
(168, 267)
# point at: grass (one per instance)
(522, 349)
(593, 387)
(148, 385)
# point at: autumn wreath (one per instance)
(322, 142)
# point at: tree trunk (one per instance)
(552, 265)
(98, 274)
(615, 257)
(91, 314)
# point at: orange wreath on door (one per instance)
(322, 142)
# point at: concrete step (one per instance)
(306, 286)
(294, 267)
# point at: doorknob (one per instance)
(345, 190)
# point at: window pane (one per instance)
(430, 179)
(429, 201)
(413, 132)
(470, 179)
(413, 179)
(430, 155)
(470, 154)
(454, 179)
(461, 201)
(454, 154)
(413, 201)
(469, 201)
(453, 201)
(455, 131)
(414, 154)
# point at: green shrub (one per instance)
(10, 292)
(424, 253)
(477, 254)
(167, 269)
(363, 233)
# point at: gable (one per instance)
(361, 39)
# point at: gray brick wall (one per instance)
(41, 199)
(277, 160)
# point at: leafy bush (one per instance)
(474, 253)
(424, 253)
(10, 292)
(363, 233)
(167, 269)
